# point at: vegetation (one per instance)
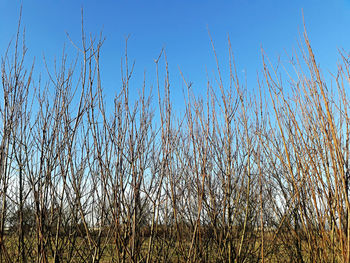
(239, 176)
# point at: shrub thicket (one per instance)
(238, 176)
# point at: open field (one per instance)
(164, 250)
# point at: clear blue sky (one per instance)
(181, 27)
